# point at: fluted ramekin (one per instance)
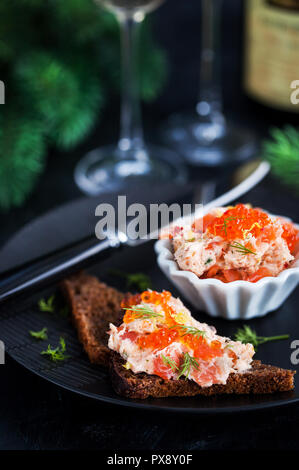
(233, 300)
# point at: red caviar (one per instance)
(290, 234)
(200, 225)
(240, 220)
(170, 331)
(159, 339)
(202, 349)
(237, 222)
(127, 302)
(148, 297)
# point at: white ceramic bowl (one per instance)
(233, 300)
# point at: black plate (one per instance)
(79, 376)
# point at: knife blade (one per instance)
(54, 267)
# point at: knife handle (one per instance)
(52, 268)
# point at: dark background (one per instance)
(36, 414)
(177, 27)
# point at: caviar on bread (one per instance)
(94, 306)
(159, 336)
(235, 243)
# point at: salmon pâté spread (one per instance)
(159, 336)
(235, 243)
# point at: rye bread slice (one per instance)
(93, 306)
(258, 380)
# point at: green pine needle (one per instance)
(84, 20)
(62, 63)
(282, 151)
(67, 97)
(21, 157)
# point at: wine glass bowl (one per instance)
(107, 169)
(204, 136)
(131, 7)
(207, 142)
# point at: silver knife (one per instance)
(23, 280)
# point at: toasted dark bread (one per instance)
(94, 305)
(260, 379)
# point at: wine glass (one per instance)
(130, 161)
(204, 136)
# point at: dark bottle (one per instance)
(271, 56)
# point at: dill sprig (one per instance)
(41, 335)
(188, 362)
(190, 330)
(169, 362)
(140, 281)
(185, 368)
(57, 354)
(247, 335)
(241, 248)
(47, 305)
(143, 311)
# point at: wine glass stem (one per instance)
(210, 96)
(131, 133)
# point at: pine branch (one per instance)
(66, 98)
(283, 154)
(61, 61)
(22, 153)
